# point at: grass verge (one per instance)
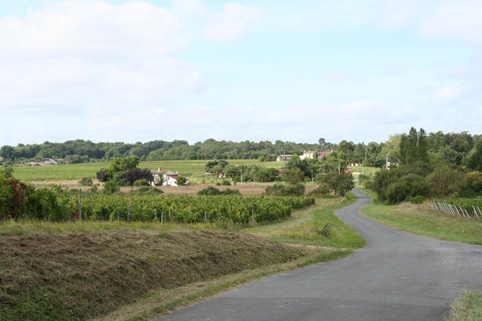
(422, 220)
(316, 225)
(467, 308)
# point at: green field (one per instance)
(77, 171)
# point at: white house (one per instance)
(308, 155)
(282, 158)
(168, 177)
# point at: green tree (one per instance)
(293, 176)
(338, 183)
(413, 147)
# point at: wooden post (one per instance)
(80, 208)
(170, 210)
(205, 216)
(162, 217)
(129, 210)
(118, 216)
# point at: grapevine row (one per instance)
(187, 209)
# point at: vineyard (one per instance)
(185, 209)
(470, 207)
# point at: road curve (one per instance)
(397, 276)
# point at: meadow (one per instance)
(65, 172)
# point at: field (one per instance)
(72, 172)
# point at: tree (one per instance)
(413, 147)
(338, 183)
(474, 161)
(181, 180)
(294, 176)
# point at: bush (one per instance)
(226, 183)
(406, 187)
(110, 187)
(181, 180)
(85, 181)
(141, 182)
(146, 190)
(209, 191)
(284, 190)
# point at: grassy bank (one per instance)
(422, 220)
(314, 226)
(119, 271)
(77, 276)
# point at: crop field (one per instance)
(193, 168)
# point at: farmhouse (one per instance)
(283, 158)
(308, 155)
(168, 177)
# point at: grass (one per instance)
(467, 308)
(139, 271)
(422, 220)
(193, 168)
(316, 225)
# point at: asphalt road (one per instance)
(397, 276)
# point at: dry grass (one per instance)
(75, 276)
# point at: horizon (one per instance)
(138, 71)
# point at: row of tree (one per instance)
(423, 174)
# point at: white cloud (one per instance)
(231, 23)
(460, 18)
(447, 95)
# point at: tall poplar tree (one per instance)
(414, 147)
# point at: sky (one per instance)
(138, 71)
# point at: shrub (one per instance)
(284, 190)
(110, 187)
(406, 187)
(226, 182)
(181, 180)
(147, 190)
(209, 191)
(85, 181)
(141, 182)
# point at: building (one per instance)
(169, 178)
(284, 158)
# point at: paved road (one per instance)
(397, 276)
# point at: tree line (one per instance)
(454, 148)
(433, 165)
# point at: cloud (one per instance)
(231, 23)
(447, 95)
(461, 18)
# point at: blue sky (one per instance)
(129, 71)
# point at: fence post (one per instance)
(118, 216)
(129, 210)
(80, 208)
(205, 216)
(475, 212)
(162, 217)
(170, 211)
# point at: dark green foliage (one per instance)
(285, 190)
(406, 187)
(215, 166)
(474, 161)
(209, 191)
(226, 182)
(414, 147)
(446, 180)
(110, 187)
(181, 180)
(85, 181)
(337, 183)
(148, 191)
(293, 176)
(141, 182)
